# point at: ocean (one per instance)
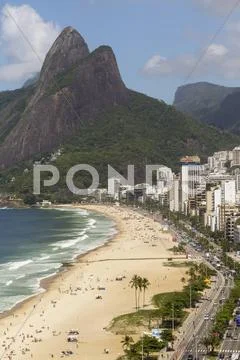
(35, 243)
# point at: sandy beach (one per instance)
(38, 329)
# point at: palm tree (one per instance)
(196, 267)
(145, 285)
(191, 272)
(175, 250)
(140, 287)
(165, 313)
(126, 342)
(183, 280)
(203, 270)
(214, 342)
(134, 284)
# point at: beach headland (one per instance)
(38, 328)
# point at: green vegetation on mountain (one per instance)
(146, 131)
(210, 103)
(12, 105)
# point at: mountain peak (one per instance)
(66, 51)
(69, 29)
(75, 87)
(210, 103)
(71, 35)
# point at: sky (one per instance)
(159, 44)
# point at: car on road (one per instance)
(221, 356)
(190, 357)
(237, 319)
(235, 337)
(234, 356)
(206, 317)
(229, 334)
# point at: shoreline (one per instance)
(46, 282)
(130, 251)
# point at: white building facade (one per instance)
(192, 174)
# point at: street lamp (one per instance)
(190, 295)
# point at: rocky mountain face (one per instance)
(80, 102)
(210, 103)
(74, 86)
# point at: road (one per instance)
(231, 343)
(197, 327)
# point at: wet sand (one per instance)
(38, 328)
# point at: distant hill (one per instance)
(32, 81)
(210, 103)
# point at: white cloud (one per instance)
(17, 72)
(21, 26)
(216, 50)
(220, 59)
(157, 64)
(214, 60)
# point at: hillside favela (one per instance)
(120, 180)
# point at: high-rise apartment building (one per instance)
(192, 174)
